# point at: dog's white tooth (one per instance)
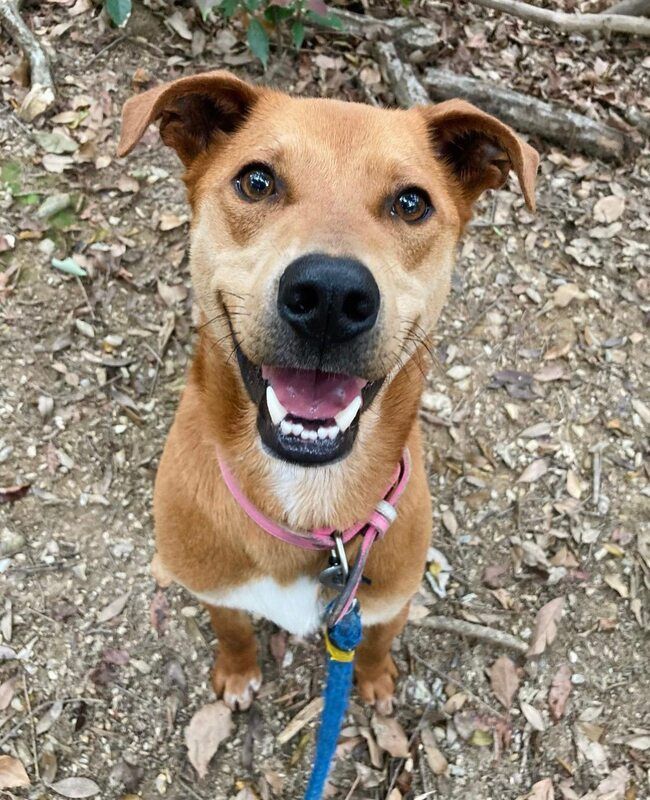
(276, 410)
(312, 436)
(333, 432)
(304, 435)
(296, 429)
(286, 426)
(344, 418)
(323, 433)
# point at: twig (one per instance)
(473, 631)
(106, 48)
(443, 676)
(353, 787)
(526, 114)
(570, 23)
(41, 94)
(30, 716)
(597, 467)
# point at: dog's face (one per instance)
(323, 238)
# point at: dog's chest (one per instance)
(297, 606)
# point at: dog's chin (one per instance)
(299, 433)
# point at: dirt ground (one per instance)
(536, 418)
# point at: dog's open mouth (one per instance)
(306, 416)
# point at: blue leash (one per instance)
(341, 640)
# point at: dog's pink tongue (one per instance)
(311, 394)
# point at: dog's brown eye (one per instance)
(412, 205)
(255, 182)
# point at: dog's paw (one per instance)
(237, 687)
(377, 685)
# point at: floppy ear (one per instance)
(480, 150)
(192, 111)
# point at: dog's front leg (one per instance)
(375, 669)
(236, 675)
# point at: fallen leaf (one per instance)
(641, 742)
(504, 680)
(553, 371)
(7, 690)
(435, 759)
(278, 646)
(70, 266)
(533, 716)
(609, 209)
(559, 691)
(173, 294)
(534, 471)
(449, 521)
(545, 626)
(53, 142)
(390, 736)
(169, 221)
(159, 612)
(210, 726)
(114, 608)
(12, 773)
(76, 787)
(542, 790)
(615, 582)
(566, 293)
(38, 100)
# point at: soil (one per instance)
(102, 684)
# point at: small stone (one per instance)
(45, 405)
(459, 372)
(10, 542)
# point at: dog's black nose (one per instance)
(328, 298)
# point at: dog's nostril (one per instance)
(303, 299)
(358, 306)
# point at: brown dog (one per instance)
(322, 243)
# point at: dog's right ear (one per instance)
(193, 112)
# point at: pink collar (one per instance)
(370, 529)
(323, 538)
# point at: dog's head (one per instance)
(323, 238)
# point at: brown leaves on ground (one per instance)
(210, 726)
(542, 790)
(504, 680)
(390, 736)
(159, 612)
(12, 773)
(545, 626)
(560, 691)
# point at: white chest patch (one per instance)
(297, 607)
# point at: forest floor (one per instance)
(536, 419)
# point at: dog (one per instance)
(323, 237)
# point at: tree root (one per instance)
(570, 23)
(42, 94)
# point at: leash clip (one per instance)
(335, 575)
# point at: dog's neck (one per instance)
(304, 498)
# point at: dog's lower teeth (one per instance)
(286, 427)
(296, 429)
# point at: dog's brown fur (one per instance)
(339, 162)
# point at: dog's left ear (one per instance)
(480, 150)
(193, 111)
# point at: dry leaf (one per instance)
(545, 626)
(615, 582)
(573, 485)
(12, 773)
(169, 221)
(76, 787)
(567, 292)
(113, 609)
(172, 294)
(159, 612)
(542, 790)
(609, 209)
(302, 718)
(504, 680)
(560, 691)
(449, 521)
(390, 736)
(7, 690)
(533, 716)
(435, 759)
(210, 726)
(534, 471)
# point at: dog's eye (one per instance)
(255, 182)
(412, 205)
